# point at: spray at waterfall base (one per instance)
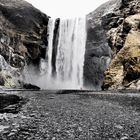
(63, 66)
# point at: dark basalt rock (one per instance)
(98, 51)
(23, 31)
(30, 86)
(23, 34)
(2, 81)
(10, 103)
(6, 99)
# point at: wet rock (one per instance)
(10, 103)
(8, 75)
(138, 85)
(2, 82)
(30, 86)
(6, 99)
(11, 109)
(124, 138)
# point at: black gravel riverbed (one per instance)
(75, 116)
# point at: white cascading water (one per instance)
(69, 58)
(51, 26)
(70, 53)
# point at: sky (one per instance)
(66, 8)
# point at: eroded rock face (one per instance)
(113, 34)
(98, 52)
(128, 61)
(23, 29)
(23, 33)
(124, 71)
(8, 75)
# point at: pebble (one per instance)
(25, 133)
(80, 129)
(4, 116)
(15, 125)
(3, 127)
(32, 115)
(119, 127)
(23, 117)
(13, 116)
(11, 134)
(5, 132)
(58, 130)
(14, 130)
(1, 116)
(124, 138)
(53, 138)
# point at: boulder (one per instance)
(30, 86)
(112, 41)
(127, 61)
(8, 75)
(9, 103)
(124, 70)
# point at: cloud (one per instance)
(66, 8)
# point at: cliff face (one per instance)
(124, 71)
(115, 34)
(23, 31)
(98, 51)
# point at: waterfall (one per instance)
(71, 51)
(66, 70)
(51, 26)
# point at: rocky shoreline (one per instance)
(112, 47)
(48, 115)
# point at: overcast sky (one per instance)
(66, 8)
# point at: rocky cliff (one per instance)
(23, 37)
(98, 51)
(114, 32)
